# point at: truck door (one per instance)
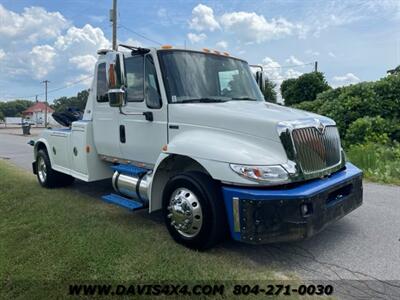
(141, 140)
(105, 118)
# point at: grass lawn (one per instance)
(60, 237)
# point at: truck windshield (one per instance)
(200, 77)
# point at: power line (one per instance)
(139, 34)
(50, 91)
(71, 84)
(289, 66)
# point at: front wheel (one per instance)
(194, 211)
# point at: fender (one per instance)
(214, 157)
(35, 148)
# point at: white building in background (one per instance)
(36, 113)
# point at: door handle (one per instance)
(122, 136)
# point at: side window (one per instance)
(134, 78)
(101, 83)
(152, 89)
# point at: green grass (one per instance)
(61, 236)
(380, 163)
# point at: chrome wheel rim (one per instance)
(184, 212)
(42, 169)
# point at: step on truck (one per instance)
(189, 133)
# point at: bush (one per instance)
(367, 99)
(370, 129)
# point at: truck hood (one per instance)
(256, 118)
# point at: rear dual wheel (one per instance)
(194, 211)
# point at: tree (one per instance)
(394, 71)
(269, 91)
(1, 116)
(304, 88)
(14, 108)
(288, 89)
(78, 101)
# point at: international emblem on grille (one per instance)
(320, 127)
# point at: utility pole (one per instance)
(36, 115)
(315, 66)
(113, 19)
(45, 110)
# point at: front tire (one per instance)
(194, 211)
(48, 177)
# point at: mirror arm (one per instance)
(147, 114)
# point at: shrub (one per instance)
(369, 129)
(367, 99)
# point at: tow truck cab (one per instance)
(189, 133)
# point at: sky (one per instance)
(352, 40)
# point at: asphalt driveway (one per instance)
(361, 252)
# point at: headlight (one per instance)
(265, 174)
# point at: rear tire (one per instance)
(48, 177)
(194, 211)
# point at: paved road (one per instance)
(363, 246)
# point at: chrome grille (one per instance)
(317, 151)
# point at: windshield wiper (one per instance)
(244, 98)
(201, 100)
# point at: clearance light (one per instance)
(166, 47)
(217, 52)
(206, 50)
(226, 53)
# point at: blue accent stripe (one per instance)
(123, 202)
(129, 169)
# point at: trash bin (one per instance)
(26, 129)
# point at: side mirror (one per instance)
(116, 79)
(116, 97)
(260, 80)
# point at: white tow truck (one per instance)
(189, 133)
